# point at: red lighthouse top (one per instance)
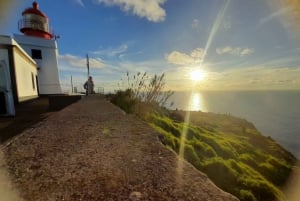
(35, 23)
(34, 10)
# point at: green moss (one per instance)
(230, 154)
(203, 150)
(262, 189)
(221, 173)
(190, 155)
(246, 195)
(248, 159)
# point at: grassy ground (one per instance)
(230, 151)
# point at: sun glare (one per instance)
(198, 75)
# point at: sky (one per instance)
(237, 44)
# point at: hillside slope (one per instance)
(231, 151)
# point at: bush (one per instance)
(125, 100)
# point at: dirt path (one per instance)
(91, 150)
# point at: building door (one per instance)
(7, 107)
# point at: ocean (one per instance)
(274, 113)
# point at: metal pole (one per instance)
(88, 71)
(72, 84)
(88, 64)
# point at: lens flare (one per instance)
(198, 75)
(288, 12)
(211, 37)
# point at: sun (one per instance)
(197, 75)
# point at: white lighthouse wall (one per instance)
(26, 73)
(48, 74)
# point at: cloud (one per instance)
(182, 59)
(80, 2)
(257, 77)
(195, 24)
(224, 50)
(149, 9)
(246, 51)
(235, 51)
(76, 61)
(118, 51)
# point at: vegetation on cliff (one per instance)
(231, 151)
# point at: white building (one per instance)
(29, 62)
(18, 76)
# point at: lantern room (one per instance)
(35, 23)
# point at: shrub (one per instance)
(125, 100)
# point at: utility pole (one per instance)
(88, 72)
(88, 65)
(72, 84)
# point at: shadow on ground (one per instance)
(27, 115)
(31, 112)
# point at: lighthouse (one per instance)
(37, 40)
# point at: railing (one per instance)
(67, 88)
(34, 24)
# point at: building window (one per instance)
(36, 54)
(33, 83)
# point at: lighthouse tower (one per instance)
(37, 40)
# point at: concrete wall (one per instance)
(48, 74)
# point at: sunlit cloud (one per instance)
(234, 51)
(183, 59)
(256, 78)
(248, 78)
(246, 51)
(108, 77)
(118, 51)
(149, 9)
(76, 61)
